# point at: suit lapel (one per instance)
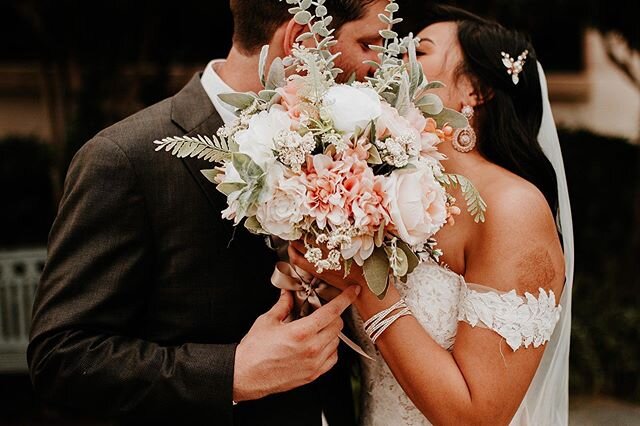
(192, 110)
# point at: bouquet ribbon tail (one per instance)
(308, 295)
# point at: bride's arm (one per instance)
(483, 381)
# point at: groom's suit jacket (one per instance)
(147, 290)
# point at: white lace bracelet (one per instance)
(378, 324)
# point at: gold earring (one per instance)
(464, 140)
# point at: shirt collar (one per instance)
(214, 85)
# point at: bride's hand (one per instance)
(334, 278)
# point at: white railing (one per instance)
(19, 275)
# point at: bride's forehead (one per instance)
(440, 34)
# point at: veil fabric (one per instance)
(547, 399)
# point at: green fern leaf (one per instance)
(476, 206)
(212, 149)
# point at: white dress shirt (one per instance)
(214, 85)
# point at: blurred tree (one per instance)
(103, 61)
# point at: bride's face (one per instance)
(440, 55)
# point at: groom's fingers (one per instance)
(328, 313)
(283, 306)
(328, 363)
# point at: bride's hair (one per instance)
(509, 120)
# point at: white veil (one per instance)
(547, 400)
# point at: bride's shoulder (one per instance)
(518, 237)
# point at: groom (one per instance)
(148, 301)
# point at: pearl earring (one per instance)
(464, 140)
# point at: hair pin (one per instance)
(514, 66)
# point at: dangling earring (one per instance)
(464, 140)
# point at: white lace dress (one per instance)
(438, 299)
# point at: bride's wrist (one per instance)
(368, 303)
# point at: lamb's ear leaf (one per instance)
(376, 272)
(238, 100)
(254, 226)
(210, 174)
(452, 118)
(412, 259)
(262, 64)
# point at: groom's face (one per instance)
(354, 39)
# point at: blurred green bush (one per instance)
(604, 183)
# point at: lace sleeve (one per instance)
(521, 320)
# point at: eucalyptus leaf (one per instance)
(392, 8)
(376, 272)
(302, 18)
(388, 34)
(304, 36)
(321, 11)
(384, 18)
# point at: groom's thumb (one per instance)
(283, 306)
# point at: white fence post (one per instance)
(19, 275)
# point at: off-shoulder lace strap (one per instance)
(520, 320)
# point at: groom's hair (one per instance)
(255, 21)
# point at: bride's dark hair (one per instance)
(509, 120)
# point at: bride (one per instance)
(482, 337)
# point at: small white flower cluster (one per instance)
(335, 241)
(331, 263)
(397, 151)
(292, 149)
(240, 123)
(336, 140)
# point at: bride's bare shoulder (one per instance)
(518, 239)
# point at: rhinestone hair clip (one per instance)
(514, 66)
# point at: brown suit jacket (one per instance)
(147, 290)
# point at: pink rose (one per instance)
(296, 107)
(416, 203)
(391, 123)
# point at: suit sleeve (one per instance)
(83, 354)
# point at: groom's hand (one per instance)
(276, 356)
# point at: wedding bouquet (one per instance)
(351, 169)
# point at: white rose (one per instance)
(350, 107)
(257, 140)
(416, 203)
(283, 207)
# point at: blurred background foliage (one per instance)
(101, 61)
